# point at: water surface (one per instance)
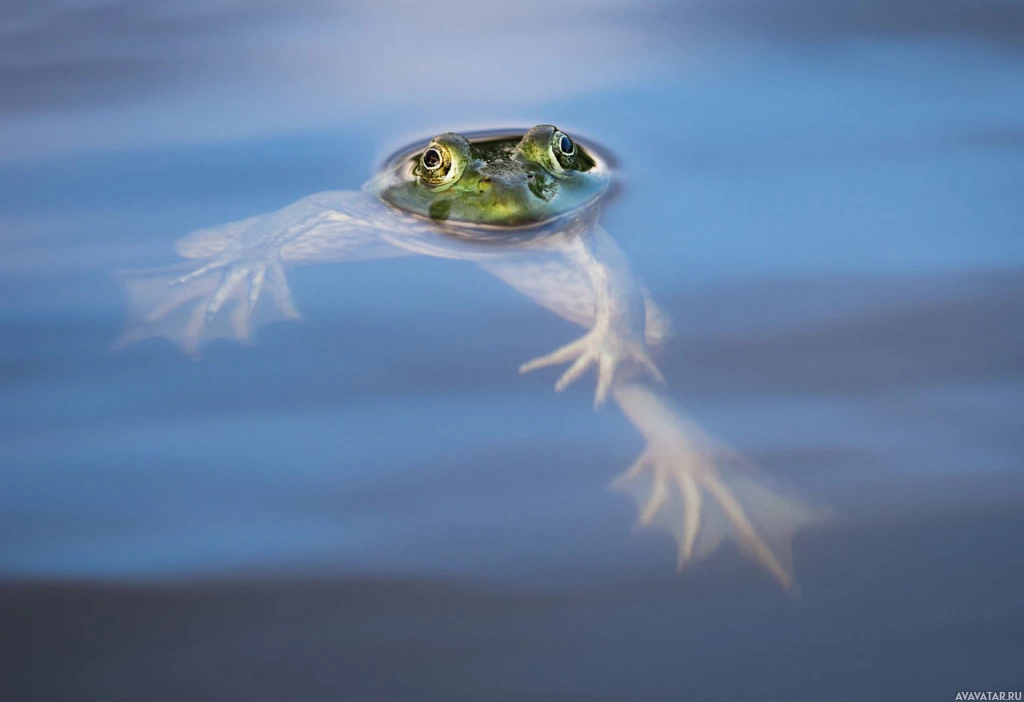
(825, 197)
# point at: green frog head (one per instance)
(494, 179)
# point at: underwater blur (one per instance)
(370, 502)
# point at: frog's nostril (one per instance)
(485, 183)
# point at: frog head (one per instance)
(507, 180)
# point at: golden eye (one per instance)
(435, 168)
(441, 164)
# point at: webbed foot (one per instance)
(701, 493)
(158, 300)
(602, 348)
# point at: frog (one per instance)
(524, 205)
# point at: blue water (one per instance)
(827, 199)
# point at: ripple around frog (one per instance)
(399, 165)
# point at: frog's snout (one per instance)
(503, 187)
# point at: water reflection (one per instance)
(684, 482)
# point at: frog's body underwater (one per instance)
(524, 206)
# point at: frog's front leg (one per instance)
(602, 347)
(618, 317)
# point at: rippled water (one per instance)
(825, 197)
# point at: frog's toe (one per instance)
(563, 355)
(229, 284)
(256, 278)
(280, 293)
(581, 365)
(583, 355)
(601, 349)
(198, 272)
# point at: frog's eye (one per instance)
(435, 164)
(566, 146)
(564, 150)
(441, 164)
(431, 159)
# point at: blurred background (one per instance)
(828, 198)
